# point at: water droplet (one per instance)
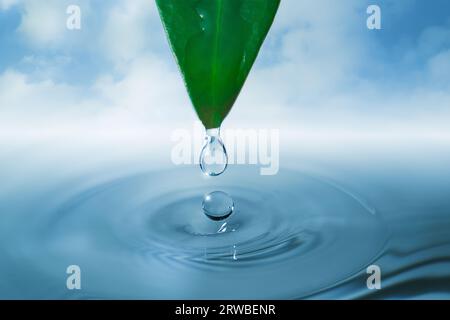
(217, 205)
(213, 158)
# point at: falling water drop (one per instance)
(218, 205)
(213, 158)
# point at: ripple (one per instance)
(291, 235)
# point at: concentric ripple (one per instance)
(291, 235)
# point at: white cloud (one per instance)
(145, 91)
(17, 93)
(433, 39)
(321, 49)
(6, 4)
(43, 22)
(315, 84)
(141, 97)
(130, 29)
(439, 67)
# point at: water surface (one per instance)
(299, 234)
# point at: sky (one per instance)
(321, 70)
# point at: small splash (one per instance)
(217, 205)
(213, 158)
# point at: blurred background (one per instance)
(367, 108)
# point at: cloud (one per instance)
(140, 97)
(43, 22)
(145, 93)
(22, 100)
(130, 29)
(439, 68)
(6, 4)
(322, 49)
(311, 73)
(433, 39)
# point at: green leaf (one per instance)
(216, 43)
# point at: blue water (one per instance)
(304, 233)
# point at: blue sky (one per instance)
(320, 67)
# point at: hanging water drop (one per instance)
(217, 205)
(213, 158)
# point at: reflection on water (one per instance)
(145, 235)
